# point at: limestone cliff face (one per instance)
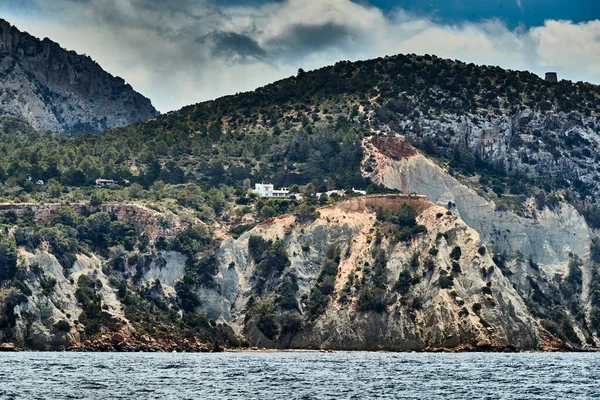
(48, 317)
(45, 312)
(440, 288)
(550, 146)
(59, 90)
(538, 247)
(39, 319)
(547, 239)
(426, 316)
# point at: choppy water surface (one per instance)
(299, 376)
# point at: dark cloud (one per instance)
(236, 45)
(179, 52)
(170, 19)
(302, 39)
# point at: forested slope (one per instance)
(510, 158)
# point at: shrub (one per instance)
(405, 220)
(456, 267)
(67, 216)
(8, 259)
(446, 281)
(305, 213)
(371, 299)
(287, 293)
(91, 303)
(192, 241)
(186, 298)
(264, 308)
(404, 283)
(273, 258)
(47, 285)
(290, 323)
(27, 238)
(268, 326)
(323, 289)
(238, 230)
(429, 265)
(456, 253)
(63, 326)
(417, 303)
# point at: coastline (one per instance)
(122, 343)
(215, 348)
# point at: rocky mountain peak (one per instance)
(59, 90)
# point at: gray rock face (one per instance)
(39, 315)
(547, 239)
(58, 90)
(549, 147)
(463, 315)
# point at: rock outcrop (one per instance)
(48, 319)
(434, 296)
(423, 317)
(58, 90)
(547, 239)
(537, 249)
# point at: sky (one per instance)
(180, 52)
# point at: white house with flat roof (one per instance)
(104, 182)
(267, 190)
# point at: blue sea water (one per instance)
(285, 375)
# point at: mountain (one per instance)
(58, 90)
(479, 229)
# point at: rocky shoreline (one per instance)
(122, 343)
(119, 344)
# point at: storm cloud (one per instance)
(303, 39)
(234, 45)
(184, 51)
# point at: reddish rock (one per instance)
(394, 147)
(217, 348)
(7, 347)
(117, 338)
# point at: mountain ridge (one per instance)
(59, 90)
(505, 256)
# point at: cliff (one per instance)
(539, 249)
(58, 90)
(359, 276)
(428, 301)
(427, 296)
(492, 245)
(547, 238)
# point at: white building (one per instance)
(104, 182)
(267, 190)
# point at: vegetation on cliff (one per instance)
(306, 133)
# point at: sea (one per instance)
(299, 375)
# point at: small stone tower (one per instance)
(551, 77)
